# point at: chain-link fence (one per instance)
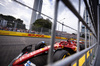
(41, 30)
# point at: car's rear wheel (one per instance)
(60, 54)
(82, 46)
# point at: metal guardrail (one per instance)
(71, 7)
(92, 37)
(72, 58)
(87, 7)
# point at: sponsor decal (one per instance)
(35, 35)
(23, 34)
(42, 49)
(21, 58)
(31, 34)
(16, 61)
(28, 55)
(4, 33)
(58, 37)
(31, 53)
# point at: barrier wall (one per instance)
(12, 33)
(82, 59)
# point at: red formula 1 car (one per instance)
(39, 56)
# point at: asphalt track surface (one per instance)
(11, 46)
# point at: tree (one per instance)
(12, 20)
(83, 36)
(73, 34)
(7, 17)
(19, 21)
(45, 23)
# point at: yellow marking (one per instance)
(74, 64)
(63, 38)
(16, 61)
(82, 59)
(71, 39)
(88, 54)
(75, 49)
(42, 48)
(64, 56)
(62, 46)
(68, 54)
(90, 50)
(90, 34)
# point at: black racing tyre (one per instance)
(40, 60)
(60, 54)
(39, 45)
(82, 46)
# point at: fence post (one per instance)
(85, 38)
(62, 29)
(50, 55)
(89, 46)
(89, 37)
(78, 33)
(92, 49)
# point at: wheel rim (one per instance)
(64, 56)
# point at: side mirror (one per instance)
(27, 49)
